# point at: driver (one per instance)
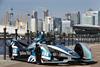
(38, 53)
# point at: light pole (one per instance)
(5, 23)
(28, 28)
(55, 31)
(5, 43)
(16, 34)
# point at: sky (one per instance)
(55, 7)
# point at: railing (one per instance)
(86, 38)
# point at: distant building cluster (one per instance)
(55, 24)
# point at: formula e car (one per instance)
(62, 54)
(54, 53)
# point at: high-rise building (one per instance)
(88, 20)
(91, 17)
(68, 16)
(66, 26)
(34, 14)
(34, 22)
(21, 26)
(48, 24)
(33, 25)
(46, 13)
(73, 17)
(40, 25)
(57, 25)
(51, 24)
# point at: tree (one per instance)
(48, 38)
(63, 38)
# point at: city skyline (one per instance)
(55, 7)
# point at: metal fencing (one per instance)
(86, 38)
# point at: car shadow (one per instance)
(72, 64)
(23, 58)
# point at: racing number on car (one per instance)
(45, 54)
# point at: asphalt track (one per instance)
(95, 48)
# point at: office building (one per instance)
(34, 22)
(40, 25)
(46, 13)
(88, 20)
(51, 24)
(66, 26)
(91, 17)
(73, 17)
(57, 25)
(48, 24)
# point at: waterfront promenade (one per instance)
(7, 62)
(94, 47)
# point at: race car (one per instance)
(62, 54)
(54, 53)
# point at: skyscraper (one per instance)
(40, 25)
(88, 20)
(34, 22)
(73, 17)
(48, 24)
(34, 14)
(66, 26)
(46, 13)
(21, 26)
(91, 17)
(68, 16)
(57, 25)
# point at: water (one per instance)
(2, 47)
